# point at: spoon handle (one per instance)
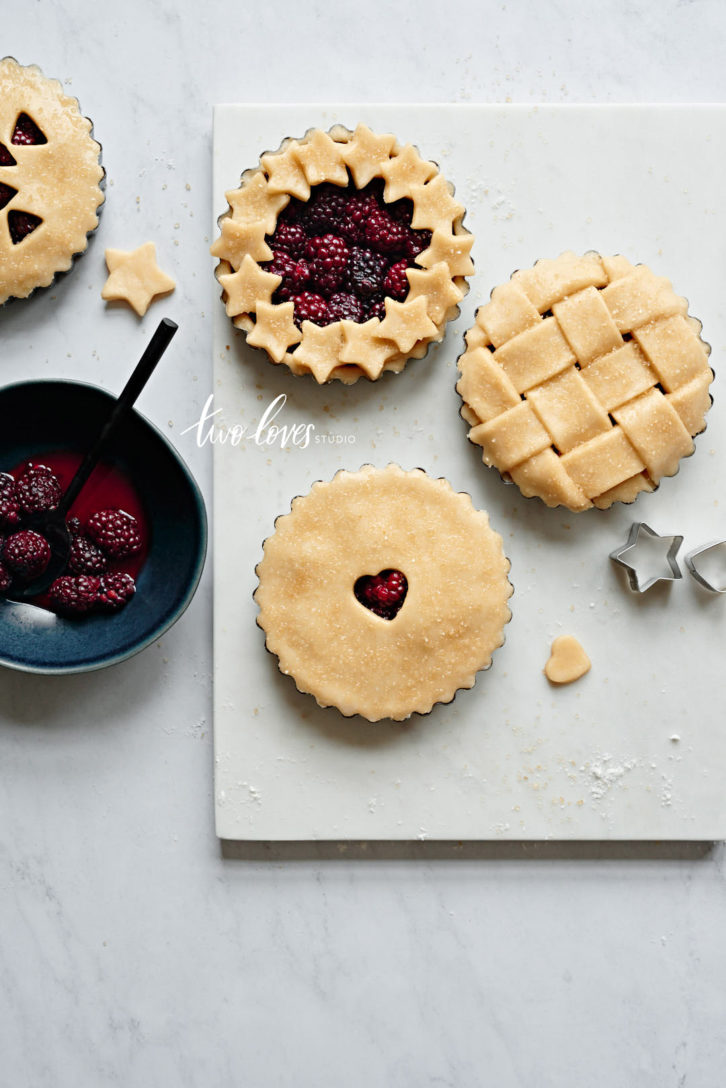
(140, 376)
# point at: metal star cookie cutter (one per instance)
(640, 569)
(707, 565)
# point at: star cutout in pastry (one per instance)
(285, 174)
(254, 203)
(404, 171)
(236, 240)
(275, 330)
(648, 558)
(434, 206)
(364, 346)
(321, 159)
(436, 285)
(406, 322)
(453, 249)
(319, 349)
(365, 153)
(135, 277)
(247, 287)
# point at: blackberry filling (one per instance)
(342, 252)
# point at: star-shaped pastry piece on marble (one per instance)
(647, 557)
(365, 153)
(434, 206)
(255, 203)
(247, 287)
(363, 345)
(436, 286)
(319, 349)
(404, 171)
(285, 174)
(453, 249)
(275, 330)
(406, 322)
(237, 240)
(135, 277)
(321, 159)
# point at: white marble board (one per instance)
(635, 750)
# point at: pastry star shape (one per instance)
(321, 159)
(406, 322)
(434, 206)
(404, 171)
(237, 239)
(254, 203)
(365, 153)
(437, 288)
(248, 286)
(648, 558)
(453, 249)
(363, 345)
(319, 350)
(275, 330)
(135, 277)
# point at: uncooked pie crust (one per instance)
(58, 181)
(344, 349)
(364, 522)
(585, 380)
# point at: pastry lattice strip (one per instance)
(585, 380)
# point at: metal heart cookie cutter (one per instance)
(647, 557)
(707, 565)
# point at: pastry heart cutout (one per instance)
(568, 661)
(382, 593)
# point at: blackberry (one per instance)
(26, 553)
(343, 306)
(38, 489)
(295, 274)
(86, 557)
(310, 307)
(327, 256)
(290, 237)
(396, 284)
(74, 596)
(326, 209)
(115, 591)
(365, 273)
(116, 532)
(384, 234)
(9, 509)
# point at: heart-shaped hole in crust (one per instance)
(26, 132)
(383, 593)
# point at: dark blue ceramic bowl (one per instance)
(44, 416)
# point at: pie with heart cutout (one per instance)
(50, 180)
(383, 592)
(585, 380)
(343, 254)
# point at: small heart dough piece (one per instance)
(568, 661)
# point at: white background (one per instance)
(131, 951)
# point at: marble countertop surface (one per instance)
(133, 950)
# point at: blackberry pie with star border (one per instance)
(50, 180)
(383, 592)
(343, 254)
(585, 380)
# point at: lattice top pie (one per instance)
(584, 380)
(343, 254)
(50, 180)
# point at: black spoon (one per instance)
(52, 523)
